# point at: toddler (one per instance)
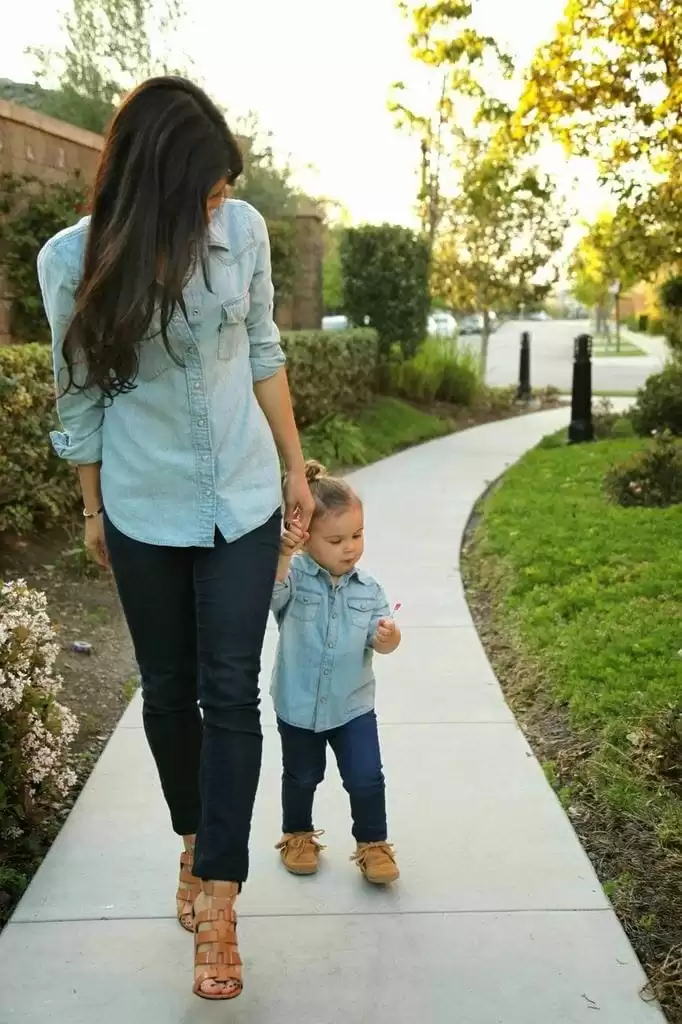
(332, 616)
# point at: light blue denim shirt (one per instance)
(323, 674)
(189, 448)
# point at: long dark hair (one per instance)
(167, 148)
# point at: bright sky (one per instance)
(320, 85)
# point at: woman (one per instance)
(173, 398)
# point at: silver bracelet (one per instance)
(93, 515)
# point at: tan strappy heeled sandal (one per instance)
(216, 956)
(189, 887)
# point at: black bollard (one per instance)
(581, 427)
(523, 392)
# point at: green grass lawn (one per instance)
(601, 349)
(389, 425)
(588, 596)
(382, 428)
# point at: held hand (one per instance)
(299, 503)
(292, 541)
(95, 542)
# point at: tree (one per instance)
(267, 183)
(608, 84)
(500, 236)
(386, 282)
(464, 63)
(599, 261)
(111, 45)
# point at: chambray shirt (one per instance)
(323, 675)
(189, 448)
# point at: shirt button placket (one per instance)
(201, 435)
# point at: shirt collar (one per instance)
(217, 228)
(310, 567)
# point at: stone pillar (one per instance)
(307, 298)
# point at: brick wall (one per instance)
(31, 143)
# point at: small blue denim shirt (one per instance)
(323, 675)
(189, 448)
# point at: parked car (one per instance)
(539, 315)
(335, 323)
(474, 322)
(442, 324)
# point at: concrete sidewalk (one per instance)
(498, 917)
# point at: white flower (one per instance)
(41, 728)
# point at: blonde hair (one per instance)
(331, 494)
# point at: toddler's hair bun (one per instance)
(314, 470)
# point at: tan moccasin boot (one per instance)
(300, 852)
(377, 862)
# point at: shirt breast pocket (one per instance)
(306, 606)
(233, 333)
(360, 610)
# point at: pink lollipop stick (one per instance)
(396, 608)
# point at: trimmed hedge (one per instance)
(329, 372)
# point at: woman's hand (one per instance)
(95, 541)
(299, 503)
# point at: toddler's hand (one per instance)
(292, 540)
(386, 630)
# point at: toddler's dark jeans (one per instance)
(357, 752)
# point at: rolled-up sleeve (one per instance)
(281, 596)
(266, 352)
(81, 413)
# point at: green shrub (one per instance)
(659, 402)
(335, 441)
(438, 372)
(655, 326)
(35, 486)
(608, 423)
(31, 211)
(330, 371)
(385, 273)
(651, 478)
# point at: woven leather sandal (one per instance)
(188, 890)
(216, 956)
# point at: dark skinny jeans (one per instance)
(197, 617)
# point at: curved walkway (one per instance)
(498, 917)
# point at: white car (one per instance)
(442, 325)
(335, 323)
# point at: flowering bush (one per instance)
(652, 478)
(36, 731)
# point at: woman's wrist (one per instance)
(295, 466)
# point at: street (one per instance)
(551, 359)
